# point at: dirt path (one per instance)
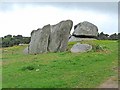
(110, 83)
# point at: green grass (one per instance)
(59, 70)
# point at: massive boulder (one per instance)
(39, 40)
(85, 28)
(84, 31)
(81, 48)
(59, 36)
(51, 38)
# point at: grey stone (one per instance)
(81, 48)
(73, 38)
(51, 38)
(39, 40)
(85, 28)
(59, 36)
(25, 51)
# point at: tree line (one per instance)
(9, 40)
(103, 36)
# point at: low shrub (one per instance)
(27, 68)
(97, 48)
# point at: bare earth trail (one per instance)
(110, 83)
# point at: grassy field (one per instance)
(59, 70)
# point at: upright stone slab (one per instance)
(59, 36)
(39, 40)
(51, 38)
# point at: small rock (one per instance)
(25, 51)
(81, 48)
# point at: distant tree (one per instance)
(26, 40)
(8, 40)
(1, 42)
(113, 36)
(102, 36)
(8, 36)
(18, 36)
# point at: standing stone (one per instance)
(51, 38)
(81, 48)
(39, 40)
(59, 36)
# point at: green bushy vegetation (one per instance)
(9, 40)
(60, 70)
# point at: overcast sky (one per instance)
(22, 18)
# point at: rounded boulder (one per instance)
(81, 48)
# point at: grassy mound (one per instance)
(60, 70)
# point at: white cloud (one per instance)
(23, 20)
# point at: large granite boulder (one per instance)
(85, 28)
(51, 38)
(84, 31)
(81, 48)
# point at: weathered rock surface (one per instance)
(60, 36)
(25, 51)
(73, 38)
(85, 28)
(81, 48)
(51, 38)
(84, 31)
(39, 40)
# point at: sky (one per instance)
(23, 17)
